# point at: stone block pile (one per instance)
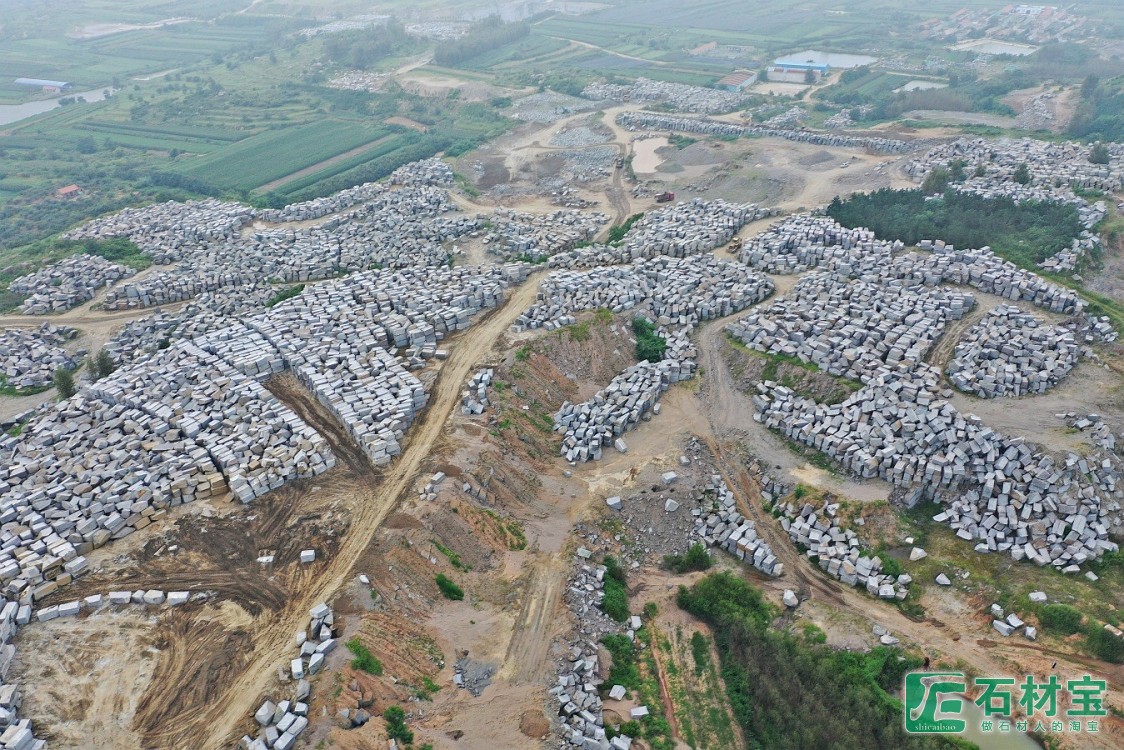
(211, 246)
(431, 172)
(515, 234)
(67, 283)
(630, 397)
(680, 97)
(1050, 164)
(838, 550)
(1001, 493)
(804, 241)
(29, 357)
(474, 400)
(721, 525)
(850, 327)
(649, 121)
(282, 723)
(575, 697)
(1012, 353)
(15, 733)
(257, 442)
(209, 311)
(675, 292)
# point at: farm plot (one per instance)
(272, 155)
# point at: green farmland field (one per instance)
(274, 154)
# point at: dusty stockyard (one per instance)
(443, 435)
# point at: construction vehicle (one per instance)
(735, 245)
(666, 197)
(620, 163)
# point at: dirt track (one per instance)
(215, 726)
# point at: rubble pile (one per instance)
(790, 118)
(675, 291)
(282, 723)
(474, 400)
(582, 135)
(680, 97)
(547, 106)
(722, 526)
(516, 235)
(646, 121)
(576, 696)
(67, 283)
(1001, 493)
(838, 550)
(29, 357)
(851, 327)
(1012, 353)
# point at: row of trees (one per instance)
(363, 47)
(483, 36)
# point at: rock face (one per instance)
(653, 121)
(67, 283)
(678, 96)
(1012, 353)
(29, 357)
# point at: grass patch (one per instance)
(615, 601)
(617, 233)
(454, 558)
(448, 588)
(364, 660)
(650, 346)
(287, 293)
(696, 559)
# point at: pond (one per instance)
(10, 113)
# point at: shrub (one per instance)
(1099, 154)
(1104, 645)
(623, 671)
(1060, 618)
(364, 660)
(700, 651)
(284, 294)
(64, 383)
(695, 559)
(449, 588)
(396, 728)
(650, 347)
(615, 602)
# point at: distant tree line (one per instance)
(363, 47)
(483, 36)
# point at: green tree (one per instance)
(103, 365)
(1022, 174)
(936, 182)
(64, 383)
(1099, 154)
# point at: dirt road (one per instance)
(216, 725)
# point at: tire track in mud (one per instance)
(231, 706)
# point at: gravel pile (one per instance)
(547, 106)
(581, 135)
(1012, 353)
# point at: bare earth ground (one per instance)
(193, 676)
